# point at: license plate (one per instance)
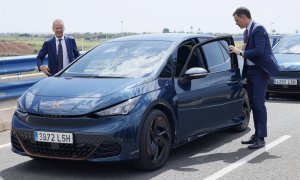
(53, 137)
(285, 81)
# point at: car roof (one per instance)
(161, 37)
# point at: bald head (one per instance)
(58, 28)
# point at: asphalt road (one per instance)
(216, 156)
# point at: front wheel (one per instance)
(246, 109)
(155, 141)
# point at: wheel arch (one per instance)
(167, 109)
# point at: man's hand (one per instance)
(45, 70)
(233, 49)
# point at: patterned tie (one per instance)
(246, 36)
(60, 58)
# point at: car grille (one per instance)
(284, 88)
(84, 146)
(107, 149)
(15, 143)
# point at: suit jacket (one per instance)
(259, 50)
(49, 47)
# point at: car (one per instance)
(287, 54)
(133, 99)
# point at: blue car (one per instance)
(287, 53)
(133, 98)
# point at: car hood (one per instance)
(288, 62)
(77, 96)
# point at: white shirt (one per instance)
(65, 52)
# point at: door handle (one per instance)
(232, 82)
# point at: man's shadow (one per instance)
(200, 152)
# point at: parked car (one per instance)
(287, 53)
(133, 98)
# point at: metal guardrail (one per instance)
(18, 64)
(14, 87)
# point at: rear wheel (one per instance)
(155, 141)
(246, 109)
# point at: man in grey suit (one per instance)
(61, 50)
(259, 65)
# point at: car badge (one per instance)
(56, 104)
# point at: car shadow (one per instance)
(197, 152)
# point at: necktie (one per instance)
(60, 58)
(246, 36)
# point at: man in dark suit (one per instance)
(61, 50)
(259, 65)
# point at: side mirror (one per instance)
(193, 73)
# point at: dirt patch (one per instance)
(8, 48)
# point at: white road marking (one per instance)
(5, 145)
(251, 156)
(5, 109)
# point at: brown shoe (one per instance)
(250, 141)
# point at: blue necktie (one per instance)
(60, 58)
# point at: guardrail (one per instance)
(14, 86)
(18, 64)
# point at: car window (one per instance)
(224, 46)
(182, 56)
(121, 59)
(214, 57)
(288, 45)
(167, 71)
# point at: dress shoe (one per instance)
(250, 141)
(259, 142)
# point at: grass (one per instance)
(37, 42)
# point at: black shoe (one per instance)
(259, 142)
(250, 141)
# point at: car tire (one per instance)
(155, 141)
(246, 113)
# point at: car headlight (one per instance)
(20, 107)
(21, 112)
(120, 109)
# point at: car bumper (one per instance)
(285, 87)
(106, 139)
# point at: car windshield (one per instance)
(288, 45)
(120, 59)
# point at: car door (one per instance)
(212, 99)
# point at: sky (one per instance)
(115, 16)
